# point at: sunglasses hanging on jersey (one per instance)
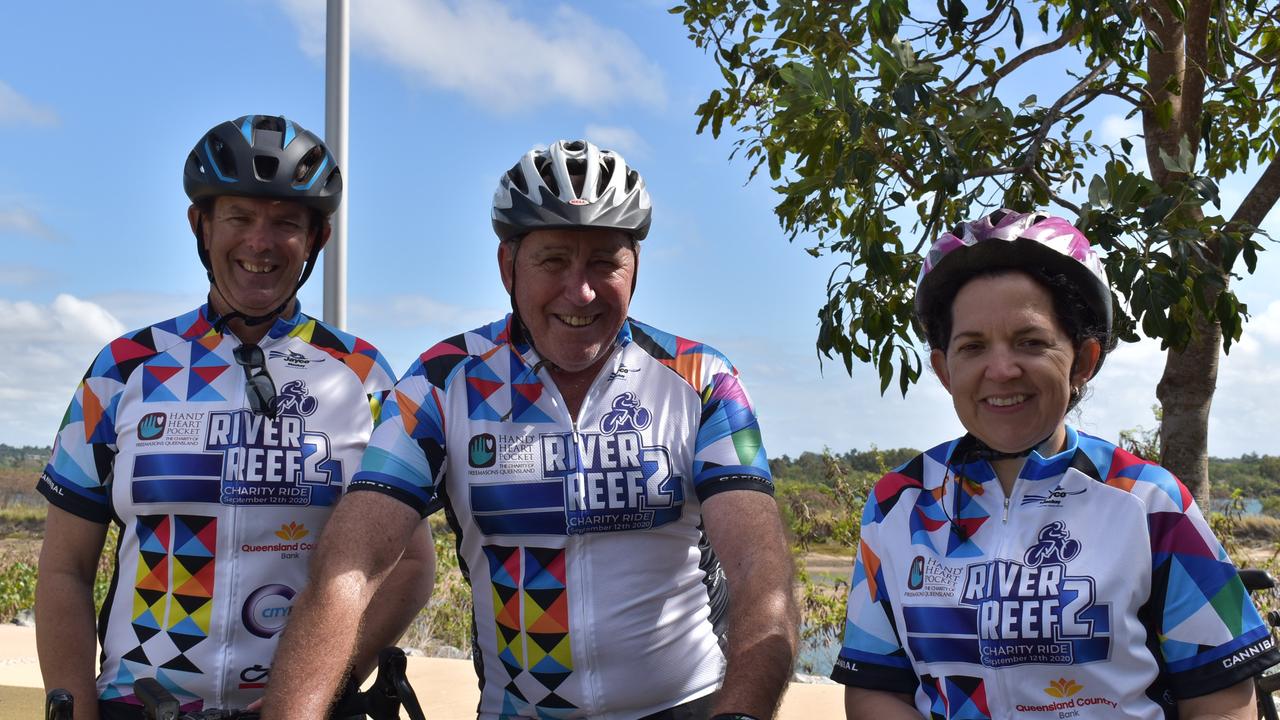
(258, 384)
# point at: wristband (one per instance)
(733, 716)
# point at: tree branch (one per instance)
(1262, 196)
(1055, 111)
(1022, 59)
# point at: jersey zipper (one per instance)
(232, 591)
(998, 681)
(584, 649)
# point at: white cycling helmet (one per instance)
(572, 184)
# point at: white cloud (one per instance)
(24, 222)
(17, 110)
(481, 50)
(47, 349)
(1114, 127)
(624, 140)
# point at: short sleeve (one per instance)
(406, 454)
(81, 467)
(728, 452)
(871, 655)
(1210, 634)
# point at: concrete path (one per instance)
(446, 688)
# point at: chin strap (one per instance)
(251, 320)
(971, 448)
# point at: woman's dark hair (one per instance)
(1070, 309)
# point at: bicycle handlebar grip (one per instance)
(157, 703)
(59, 705)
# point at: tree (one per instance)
(865, 111)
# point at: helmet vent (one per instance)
(269, 122)
(548, 175)
(265, 167)
(517, 178)
(223, 157)
(307, 165)
(602, 178)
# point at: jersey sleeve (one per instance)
(728, 451)
(1210, 634)
(81, 467)
(871, 654)
(406, 454)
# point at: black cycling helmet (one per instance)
(572, 184)
(1017, 241)
(263, 156)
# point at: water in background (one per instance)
(818, 656)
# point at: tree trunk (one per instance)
(1186, 392)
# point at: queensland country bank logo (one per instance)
(292, 531)
(151, 426)
(1067, 700)
(482, 451)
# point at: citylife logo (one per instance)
(151, 426)
(482, 450)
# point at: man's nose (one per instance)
(578, 288)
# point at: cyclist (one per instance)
(1027, 568)
(217, 442)
(605, 479)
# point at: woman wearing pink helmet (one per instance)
(1027, 568)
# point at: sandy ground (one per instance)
(446, 688)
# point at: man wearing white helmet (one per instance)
(606, 482)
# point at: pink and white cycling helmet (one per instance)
(1014, 240)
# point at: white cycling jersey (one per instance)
(1095, 589)
(217, 508)
(594, 592)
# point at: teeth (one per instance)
(1006, 401)
(256, 268)
(577, 320)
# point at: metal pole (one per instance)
(337, 61)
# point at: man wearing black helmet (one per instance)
(217, 442)
(606, 482)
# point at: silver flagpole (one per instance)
(337, 61)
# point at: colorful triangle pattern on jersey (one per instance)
(151, 582)
(190, 612)
(531, 612)
(352, 351)
(157, 371)
(482, 383)
(205, 367)
(526, 391)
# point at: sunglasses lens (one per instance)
(258, 385)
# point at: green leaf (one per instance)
(1164, 114)
(1127, 145)
(957, 11)
(1207, 189)
(1157, 211)
(1017, 26)
(1099, 196)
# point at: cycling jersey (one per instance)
(1095, 589)
(218, 509)
(594, 593)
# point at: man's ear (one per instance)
(506, 264)
(938, 360)
(193, 218)
(321, 238)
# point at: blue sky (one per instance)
(100, 104)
